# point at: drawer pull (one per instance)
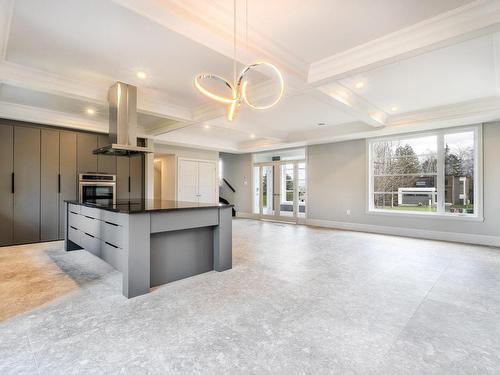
(110, 244)
(89, 235)
(107, 222)
(89, 217)
(74, 213)
(72, 227)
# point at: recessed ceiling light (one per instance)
(394, 109)
(359, 84)
(90, 111)
(252, 136)
(142, 75)
(206, 126)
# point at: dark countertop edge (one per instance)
(142, 211)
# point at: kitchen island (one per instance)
(152, 242)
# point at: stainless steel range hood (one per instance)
(122, 100)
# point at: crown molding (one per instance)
(148, 101)
(466, 22)
(38, 115)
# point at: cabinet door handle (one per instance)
(12, 183)
(129, 184)
(59, 183)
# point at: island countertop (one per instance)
(148, 205)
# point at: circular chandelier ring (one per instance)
(222, 99)
(244, 85)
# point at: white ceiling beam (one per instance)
(469, 21)
(473, 111)
(349, 102)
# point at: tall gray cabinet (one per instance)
(26, 220)
(39, 169)
(67, 171)
(49, 185)
(58, 180)
(130, 177)
(6, 183)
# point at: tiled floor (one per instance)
(298, 300)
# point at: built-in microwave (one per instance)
(97, 188)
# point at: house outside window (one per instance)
(435, 173)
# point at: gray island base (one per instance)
(152, 242)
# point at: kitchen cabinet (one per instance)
(6, 173)
(86, 144)
(136, 176)
(26, 184)
(105, 163)
(68, 173)
(130, 177)
(49, 185)
(39, 169)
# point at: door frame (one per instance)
(277, 178)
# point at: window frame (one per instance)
(440, 214)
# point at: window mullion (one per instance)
(440, 173)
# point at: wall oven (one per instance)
(97, 188)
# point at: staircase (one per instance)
(221, 193)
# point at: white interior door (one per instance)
(207, 177)
(187, 181)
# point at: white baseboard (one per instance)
(246, 215)
(477, 239)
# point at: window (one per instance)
(433, 173)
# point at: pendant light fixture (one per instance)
(239, 86)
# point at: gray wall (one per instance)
(337, 174)
(237, 169)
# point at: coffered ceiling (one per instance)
(352, 69)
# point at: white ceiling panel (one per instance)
(454, 74)
(295, 113)
(212, 136)
(97, 39)
(315, 29)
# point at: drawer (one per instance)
(113, 217)
(91, 212)
(112, 234)
(74, 220)
(74, 207)
(74, 235)
(90, 225)
(91, 244)
(112, 255)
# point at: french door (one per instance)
(279, 190)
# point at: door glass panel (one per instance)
(287, 190)
(301, 186)
(267, 190)
(256, 190)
